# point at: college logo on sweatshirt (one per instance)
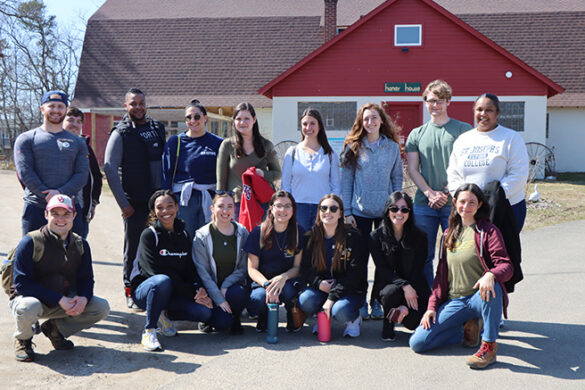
(164, 252)
(64, 143)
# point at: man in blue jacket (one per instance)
(49, 160)
(53, 278)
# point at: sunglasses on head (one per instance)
(324, 208)
(403, 210)
(189, 117)
(222, 192)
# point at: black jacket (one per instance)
(93, 188)
(351, 280)
(403, 265)
(171, 256)
(141, 146)
(501, 215)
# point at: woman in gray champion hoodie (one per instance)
(371, 171)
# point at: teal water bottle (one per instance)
(272, 337)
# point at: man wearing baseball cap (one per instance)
(53, 279)
(49, 160)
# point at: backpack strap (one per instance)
(176, 161)
(38, 245)
(155, 235)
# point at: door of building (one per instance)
(407, 115)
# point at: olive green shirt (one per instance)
(464, 265)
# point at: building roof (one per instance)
(174, 60)
(148, 43)
(551, 42)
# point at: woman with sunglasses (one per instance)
(469, 284)
(164, 281)
(274, 259)
(311, 168)
(218, 253)
(334, 265)
(247, 148)
(399, 249)
(372, 170)
(188, 167)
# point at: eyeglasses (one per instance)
(432, 102)
(189, 117)
(222, 192)
(280, 206)
(324, 208)
(403, 210)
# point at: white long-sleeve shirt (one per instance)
(308, 177)
(481, 157)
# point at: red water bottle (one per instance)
(323, 327)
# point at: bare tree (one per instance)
(35, 56)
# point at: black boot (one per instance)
(236, 328)
(262, 323)
(388, 330)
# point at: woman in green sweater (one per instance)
(247, 148)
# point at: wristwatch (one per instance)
(266, 284)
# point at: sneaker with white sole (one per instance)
(364, 311)
(165, 326)
(377, 313)
(149, 340)
(352, 328)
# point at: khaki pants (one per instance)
(28, 310)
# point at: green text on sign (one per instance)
(402, 87)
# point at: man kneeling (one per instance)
(53, 278)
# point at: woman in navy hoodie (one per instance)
(164, 280)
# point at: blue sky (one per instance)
(73, 13)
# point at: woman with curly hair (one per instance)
(372, 170)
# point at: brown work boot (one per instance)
(471, 332)
(59, 342)
(23, 350)
(485, 356)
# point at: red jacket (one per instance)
(492, 253)
(255, 190)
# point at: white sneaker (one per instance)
(352, 328)
(165, 326)
(149, 340)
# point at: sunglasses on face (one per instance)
(222, 192)
(324, 208)
(403, 210)
(189, 117)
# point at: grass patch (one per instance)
(562, 200)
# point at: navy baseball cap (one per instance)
(55, 96)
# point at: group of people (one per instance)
(187, 257)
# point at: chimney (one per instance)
(330, 20)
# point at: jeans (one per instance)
(237, 296)
(306, 214)
(28, 310)
(452, 315)
(192, 214)
(519, 211)
(344, 310)
(428, 220)
(133, 228)
(33, 217)
(257, 304)
(155, 294)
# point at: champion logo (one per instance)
(247, 190)
(164, 252)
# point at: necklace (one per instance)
(280, 246)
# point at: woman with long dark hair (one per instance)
(372, 170)
(399, 250)
(311, 168)
(334, 265)
(218, 253)
(164, 281)
(468, 290)
(188, 167)
(247, 148)
(274, 259)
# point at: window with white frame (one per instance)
(408, 35)
(512, 115)
(336, 115)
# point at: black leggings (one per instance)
(392, 296)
